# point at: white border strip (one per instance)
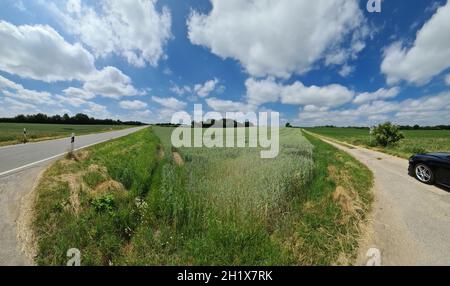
(50, 158)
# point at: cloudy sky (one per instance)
(316, 62)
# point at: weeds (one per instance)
(138, 205)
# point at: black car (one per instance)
(431, 168)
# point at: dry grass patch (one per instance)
(177, 159)
(107, 187)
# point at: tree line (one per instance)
(78, 118)
(223, 123)
(401, 127)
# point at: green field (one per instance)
(416, 141)
(139, 201)
(12, 133)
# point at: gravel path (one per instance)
(410, 222)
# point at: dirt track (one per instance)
(410, 223)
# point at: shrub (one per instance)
(105, 203)
(387, 134)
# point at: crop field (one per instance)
(416, 141)
(12, 133)
(139, 201)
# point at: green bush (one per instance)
(105, 203)
(387, 134)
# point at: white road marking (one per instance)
(49, 158)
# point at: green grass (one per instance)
(12, 133)
(91, 203)
(126, 202)
(416, 141)
(339, 199)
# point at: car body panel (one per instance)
(439, 163)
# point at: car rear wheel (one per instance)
(424, 174)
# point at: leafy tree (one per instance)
(79, 118)
(288, 125)
(387, 134)
(66, 117)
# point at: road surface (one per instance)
(20, 165)
(410, 223)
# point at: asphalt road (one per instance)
(410, 222)
(20, 166)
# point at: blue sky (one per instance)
(316, 62)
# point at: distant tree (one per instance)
(40, 118)
(81, 118)
(288, 125)
(416, 127)
(66, 117)
(20, 118)
(387, 134)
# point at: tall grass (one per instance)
(127, 202)
(90, 203)
(227, 203)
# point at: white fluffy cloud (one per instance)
(262, 91)
(382, 93)
(112, 83)
(203, 90)
(447, 79)
(221, 105)
(426, 110)
(10, 107)
(200, 89)
(78, 93)
(97, 110)
(18, 99)
(428, 56)
(170, 102)
(280, 37)
(36, 97)
(346, 70)
(330, 95)
(133, 29)
(6, 83)
(133, 104)
(268, 90)
(14, 90)
(39, 52)
(73, 101)
(181, 90)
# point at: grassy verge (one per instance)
(93, 203)
(12, 133)
(339, 199)
(133, 202)
(416, 141)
